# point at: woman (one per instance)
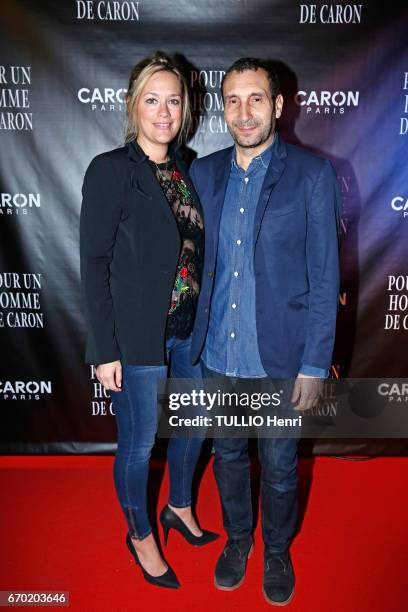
(141, 261)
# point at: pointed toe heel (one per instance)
(170, 520)
(167, 580)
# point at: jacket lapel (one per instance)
(272, 176)
(144, 182)
(220, 186)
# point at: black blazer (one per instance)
(130, 246)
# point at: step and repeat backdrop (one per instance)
(63, 75)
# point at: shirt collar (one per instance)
(260, 161)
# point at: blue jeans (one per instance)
(137, 419)
(279, 481)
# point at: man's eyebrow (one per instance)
(253, 93)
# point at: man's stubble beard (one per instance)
(263, 137)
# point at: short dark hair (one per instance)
(253, 63)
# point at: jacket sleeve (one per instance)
(322, 253)
(100, 217)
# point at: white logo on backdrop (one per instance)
(18, 203)
(15, 113)
(20, 304)
(101, 402)
(207, 100)
(106, 99)
(400, 204)
(107, 11)
(24, 390)
(326, 102)
(397, 317)
(404, 120)
(330, 13)
(396, 392)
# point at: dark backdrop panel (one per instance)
(63, 75)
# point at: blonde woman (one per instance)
(141, 261)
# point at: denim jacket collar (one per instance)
(261, 161)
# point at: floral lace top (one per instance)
(188, 275)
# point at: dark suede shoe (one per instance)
(279, 579)
(231, 565)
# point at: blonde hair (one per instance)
(139, 76)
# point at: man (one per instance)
(268, 303)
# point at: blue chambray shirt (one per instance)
(231, 345)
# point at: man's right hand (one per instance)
(110, 375)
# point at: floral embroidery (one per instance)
(181, 186)
(180, 286)
(188, 275)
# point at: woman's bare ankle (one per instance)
(149, 555)
(186, 515)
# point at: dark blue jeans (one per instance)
(137, 419)
(279, 498)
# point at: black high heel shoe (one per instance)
(167, 580)
(170, 520)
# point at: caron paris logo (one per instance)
(395, 392)
(105, 99)
(327, 102)
(18, 203)
(400, 205)
(24, 390)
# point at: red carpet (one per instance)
(62, 529)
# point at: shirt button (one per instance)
(238, 242)
(236, 274)
(246, 179)
(242, 210)
(210, 274)
(232, 335)
(205, 310)
(233, 306)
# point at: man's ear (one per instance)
(278, 105)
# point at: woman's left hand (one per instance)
(110, 375)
